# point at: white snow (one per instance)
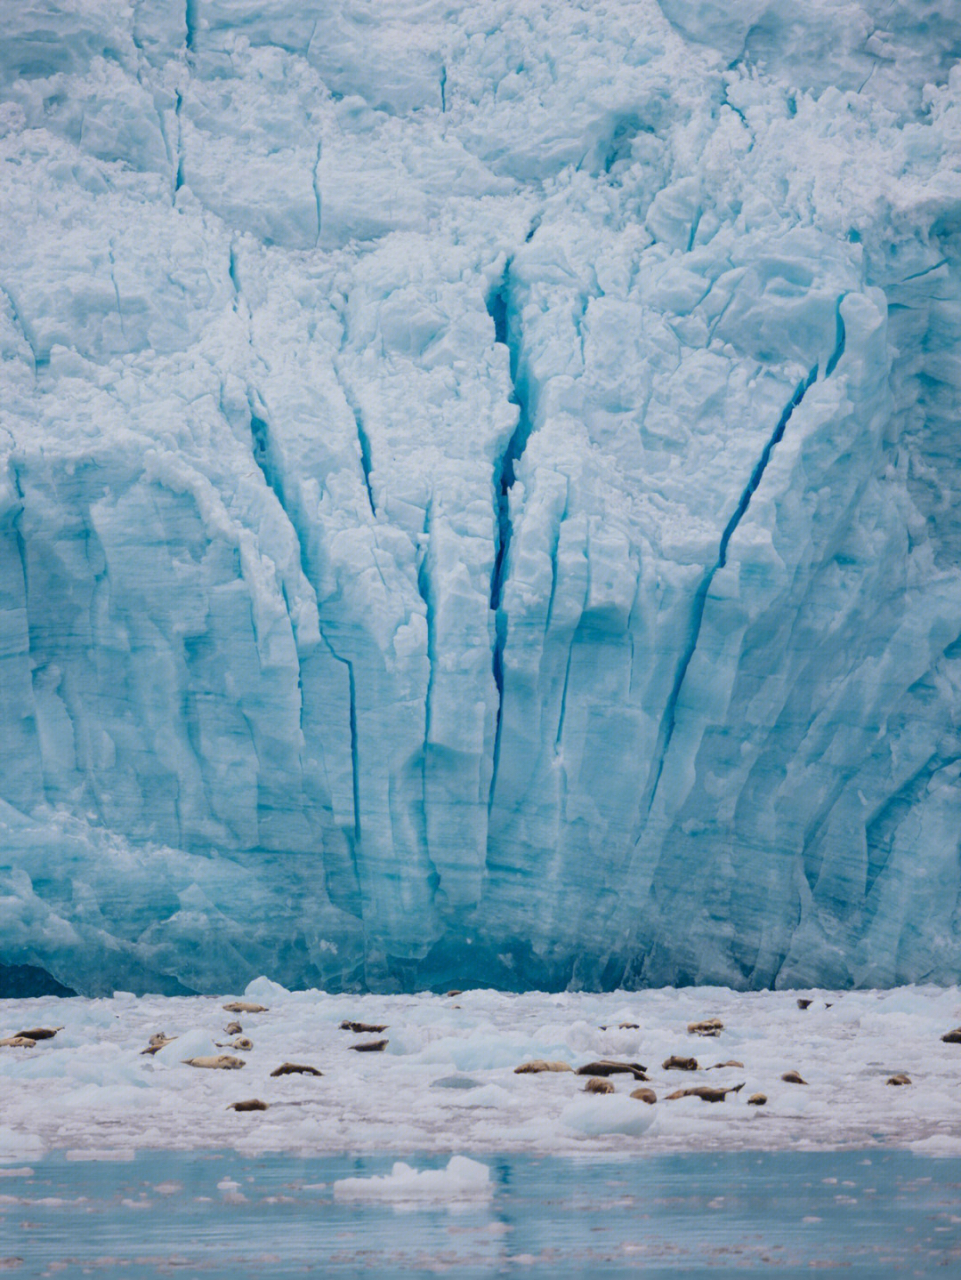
(89, 1090)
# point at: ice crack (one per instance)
(507, 333)
(190, 23)
(263, 456)
(668, 720)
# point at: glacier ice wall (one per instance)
(480, 496)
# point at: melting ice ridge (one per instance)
(478, 494)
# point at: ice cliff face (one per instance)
(480, 493)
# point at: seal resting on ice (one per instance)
(222, 1062)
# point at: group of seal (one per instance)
(712, 1027)
(597, 1071)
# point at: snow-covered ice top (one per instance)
(478, 492)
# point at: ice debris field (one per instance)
(446, 1080)
(479, 496)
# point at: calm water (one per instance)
(872, 1214)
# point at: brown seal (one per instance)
(455, 992)
(233, 1028)
(952, 1037)
(372, 1046)
(363, 1028)
(249, 1104)
(674, 1063)
(705, 1092)
(295, 1069)
(241, 1043)
(40, 1033)
(157, 1042)
(539, 1065)
(628, 1026)
(245, 1006)
(901, 1078)
(757, 1100)
(607, 1067)
(793, 1077)
(804, 1004)
(18, 1042)
(645, 1095)
(733, 1063)
(222, 1062)
(598, 1086)
(706, 1027)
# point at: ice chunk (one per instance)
(463, 1179)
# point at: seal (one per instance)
(804, 1004)
(607, 1067)
(598, 1086)
(952, 1037)
(539, 1065)
(295, 1069)
(733, 1063)
(363, 1028)
(157, 1042)
(222, 1062)
(40, 1033)
(705, 1092)
(674, 1063)
(241, 1043)
(233, 1028)
(372, 1046)
(757, 1100)
(645, 1095)
(706, 1027)
(245, 1006)
(793, 1077)
(249, 1104)
(901, 1078)
(18, 1042)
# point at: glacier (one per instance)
(480, 498)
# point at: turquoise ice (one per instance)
(479, 493)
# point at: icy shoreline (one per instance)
(446, 1080)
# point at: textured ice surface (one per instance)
(479, 493)
(91, 1092)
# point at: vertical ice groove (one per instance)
(20, 323)
(262, 452)
(666, 730)
(363, 440)
(116, 291)
(507, 333)
(316, 181)
(190, 23)
(179, 176)
(555, 548)
(233, 273)
(838, 351)
(443, 88)
(425, 592)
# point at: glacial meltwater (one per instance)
(872, 1213)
